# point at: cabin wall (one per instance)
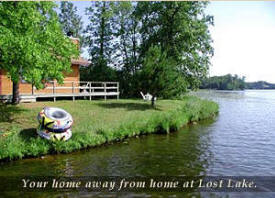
(73, 77)
(6, 85)
(26, 88)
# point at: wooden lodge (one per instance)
(72, 86)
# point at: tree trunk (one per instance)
(153, 101)
(15, 92)
(102, 29)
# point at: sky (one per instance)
(243, 38)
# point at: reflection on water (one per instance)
(240, 142)
(183, 153)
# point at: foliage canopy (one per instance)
(32, 44)
(125, 35)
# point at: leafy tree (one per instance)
(181, 29)
(124, 35)
(32, 44)
(125, 30)
(70, 21)
(125, 27)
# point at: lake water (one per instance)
(240, 141)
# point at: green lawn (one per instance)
(95, 123)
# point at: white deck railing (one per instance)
(78, 88)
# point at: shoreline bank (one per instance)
(96, 123)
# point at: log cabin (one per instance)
(71, 87)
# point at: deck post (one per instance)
(105, 97)
(117, 97)
(32, 89)
(73, 90)
(54, 99)
(90, 89)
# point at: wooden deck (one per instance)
(70, 89)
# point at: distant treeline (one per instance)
(233, 82)
(226, 82)
(259, 85)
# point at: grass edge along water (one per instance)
(96, 122)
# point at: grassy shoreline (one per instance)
(96, 123)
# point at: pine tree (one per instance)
(71, 22)
(159, 75)
(99, 40)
